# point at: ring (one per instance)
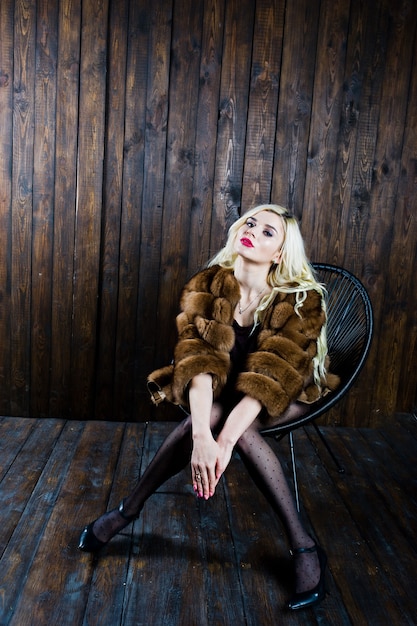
(197, 476)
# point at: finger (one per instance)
(198, 481)
(212, 483)
(202, 483)
(194, 476)
(204, 486)
(219, 471)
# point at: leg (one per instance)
(172, 457)
(266, 471)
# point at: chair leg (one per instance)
(294, 469)
(340, 469)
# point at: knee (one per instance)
(245, 440)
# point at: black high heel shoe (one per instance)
(90, 543)
(305, 599)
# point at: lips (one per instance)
(246, 242)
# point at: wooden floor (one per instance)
(192, 563)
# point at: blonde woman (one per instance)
(251, 350)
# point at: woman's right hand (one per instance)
(203, 466)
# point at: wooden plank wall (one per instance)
(132, 134)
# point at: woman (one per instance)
(251, 350)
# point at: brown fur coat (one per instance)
(279, 372)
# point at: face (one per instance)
(260, 239)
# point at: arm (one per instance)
(205, 449)
(205, 335)
(210, 457)
(205, 332)
(239, 420)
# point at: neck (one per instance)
(251, 277)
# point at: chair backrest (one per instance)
(349, 335)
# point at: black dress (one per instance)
(245, 342)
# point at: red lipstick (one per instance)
(246, 242)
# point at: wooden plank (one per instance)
(130, 228)
(373, 589)
(183, 91)
(263, 102)
(295, 102)
(199, 250)
(89, 203)
(395, 442)
(22, 182)
(366, 64)
(354, 138)
(6, 134)
(208, 554)
(407, 390)
(54, 595)
(360, 37)
(165, 552)
(157, 68)
(379, 241)
(65, 205)
(366, 61)
(43, 205)
(401, 307)
(112, 208)
(269, 573)
(222, 585)
(233, 110)
(23, 475)
(320, 187)
(262, 556)
(105, 605)
(18, 555)
(164, 563)
(408, 422)
(397, 489)
(191, 541)
(355, 584)
(13, 437)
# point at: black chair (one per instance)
(349, 335)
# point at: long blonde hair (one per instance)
(292, 274)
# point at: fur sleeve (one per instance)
(205, 332)
(280, 369)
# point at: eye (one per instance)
(250, 223)
(268, 233)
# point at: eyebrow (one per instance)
(266, 225)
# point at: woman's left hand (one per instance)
(224, 456)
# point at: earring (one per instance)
(277, 259)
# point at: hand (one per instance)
(223, 459)
(203, 466)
